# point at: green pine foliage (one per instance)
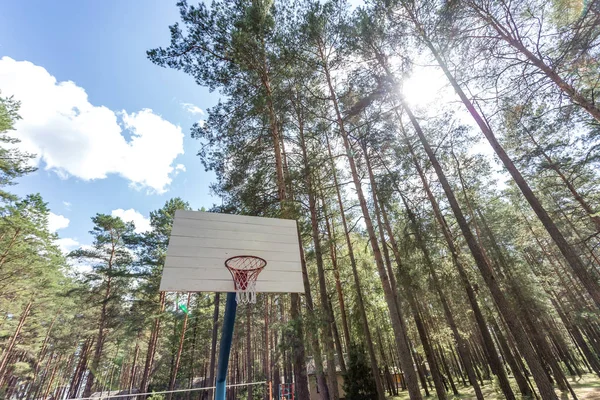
(358, 380)
(295, 76)
(13, 162)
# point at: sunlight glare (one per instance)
(423, 86)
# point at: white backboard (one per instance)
(200, 243)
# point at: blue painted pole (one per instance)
(225, 349)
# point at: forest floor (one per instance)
(587, 388)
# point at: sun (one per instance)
(425, 85)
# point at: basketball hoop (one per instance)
(244, 271)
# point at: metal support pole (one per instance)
(225, 348)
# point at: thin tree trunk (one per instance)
(421, 372)
(587, 279)
(81, 368)
(508, 36)
(491, 353)
(52, 376)
(133, 366)
(383, 356)
(434, 370)
(448, 370)
(338, 343)
(314, 336)
(213, 347)
(421, 328)
(578, 338)
(435, 280)
(525, 347)
(336, 271)
(462, 348)
(537, 339)
(328, 341)
(595, 219)
(42, 353)
(192, 361)
(458, 366)
(390, 296)
(299, 351)
(179, 350)
(102, 323)
(359, 294)
(13, 340)
(152, 346)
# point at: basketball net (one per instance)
(244, 271)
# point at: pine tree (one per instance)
(13, 162)
(358, 380)
(111, 275)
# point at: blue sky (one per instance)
(88, 163)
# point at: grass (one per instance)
(586, 388)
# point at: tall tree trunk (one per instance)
(588, 280)
(336, 271)
(52, 376)
(213, 348)
(461, 345)
(384, 358)
(299, 351)
(543, 383)
(328, 312)
(133, 366)
(192, 358)
(592, 358)
(300, 376)
(421, 371)
(179, 350)
(491, 353)
(526, 311)
(513, 360)
(434, 370)
(359, 294)
(314, 336)
(13, 339)
(152, 345)
(462, 348)
(89, 384)
(410, 295)
(338, 343)
(390, 296)
(447, 370)
(41, 355)
(81, 367)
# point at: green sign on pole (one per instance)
(184, 308)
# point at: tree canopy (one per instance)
(449, 246)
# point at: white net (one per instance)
(245, 271)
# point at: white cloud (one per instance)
(66, 244)
(56, 222)
(67, 205)
(142, 224)
(73, 137)
(180, 167)
(192, 109)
